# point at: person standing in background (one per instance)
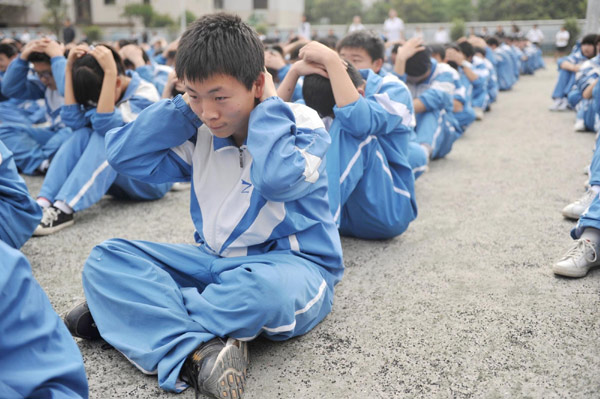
(393, 27)
(356, 24)
(535, 35)
(561, 41)
(441, 36)
(304, 28)
(68, 32)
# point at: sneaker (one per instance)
(53, 220)
(181, 186)
(564, 105)
(579, 126)
(478, 114)
(578, 260)
(556, 105)
(80, 323)
(217, 369)
(575, 209)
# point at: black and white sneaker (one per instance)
(53, 220)
(80, 323)
(217, 369)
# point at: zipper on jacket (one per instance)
(241, 157)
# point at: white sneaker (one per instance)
(556, 104)
(578, 260)
(564, 105)
(181, 186)
(586, 170)
(478, 114)
(575, 209)
(579, 126)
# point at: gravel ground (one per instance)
(462, 305)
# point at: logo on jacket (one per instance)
(246, 189)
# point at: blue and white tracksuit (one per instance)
(588, 74)
(19, 213)
(268, 252)
(504, 68)
(464, 94)
(79, 174)
(156, 74)
(32, 145)
(371, 182)
(566, 79)
(437, 126)
(39, 357)
(13, 110)
(481, 96)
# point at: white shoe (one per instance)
(181, 186)
(478, 114)
(575, 209)
(578, 260)
(586, 170)
(564, 105)
(579, 126)
(557, 103)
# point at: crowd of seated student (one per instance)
(380, 120)
(577, 90)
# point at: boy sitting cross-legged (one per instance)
(268, 254)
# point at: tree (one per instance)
(56, 13)
(143, 11)
(336, 11)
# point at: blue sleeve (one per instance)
(147, 148)
(16, 83)
(146, 73)
(440, 93)
(287, 150)
(385, 112)
(59, 65)
(105, 121)
(297, 94)
(74, 116)
(159, 59)
(596, 98)
(19, 212)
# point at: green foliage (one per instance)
(572, 26)
(56, 13)
(93, 33)
(458, 29)
(143, 11)
(161, 20)
(337, 11)
(189, 17)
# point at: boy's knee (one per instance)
(95, 263)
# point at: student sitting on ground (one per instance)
(99, 96)
(268, 253)
(503, 64)
(18, 211)
(369, 196)
(432, 86)
(13, 110)
(567, 68)
(136, 59)
(484, 97)
(34, 147)
(366, 51)
(463, 110)
(39, 357)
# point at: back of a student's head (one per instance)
(419, 64)
(37, 57)
(467, 49)
(493, 41)
(438, 52)
(364, 41)
(318, 94)
(88, 76)
(220, 44)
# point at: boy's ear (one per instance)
(377, 64)
(259, 86)
(361, 90)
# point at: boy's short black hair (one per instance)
(38, 57)
(418, 64)
(479, 50)
(438, 49)
(88, 76)
(492, 41)
(367, 40)
(129, 65)
(220, 44)
(318, 94)
(295, 51)
(467, 49)
(589, 39)
(8, 49)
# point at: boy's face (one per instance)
(588, 50)
(44, 72)
(360, 58)
(224, 104)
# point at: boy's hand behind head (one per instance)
(317, 53)
(105, 58)
(269, 89)
(76, 53)
(132, 53)
(274, 60)
(410, 48)
(34, 46)
(304, 68)
(54, 48)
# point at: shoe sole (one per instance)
(569, 272)
(80, 316)
(228, 377)
(51, 230)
